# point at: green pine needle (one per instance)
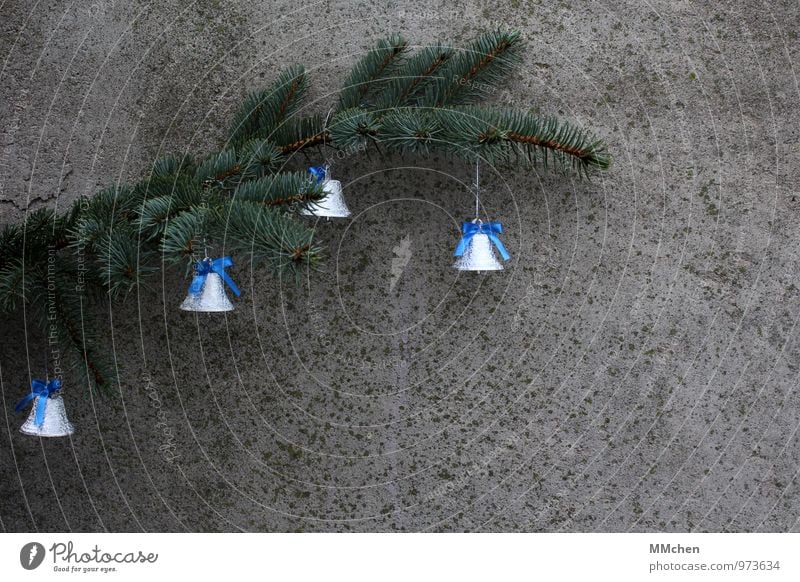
(474, 71)
(414, 77)
(299, 133)
(375, 66)
(354, 127)
(290, 190)
(265, 234)
(264, 111)
(184, 235)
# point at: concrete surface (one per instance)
(633, 369)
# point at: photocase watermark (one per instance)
(95, 560)
(67, 559)
(338, 155)
(54, 333)
(31, 555)
(100, 9)
(53, 314)
(80, 247)
(168, 448)
(480, 11)
(402, 255)
(382, 364)
(428, 13)
(484, 88)
(318, 328)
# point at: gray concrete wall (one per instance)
(634, 368)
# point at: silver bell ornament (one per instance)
(475, 252)
(48, 417)
(333, 204)
(207, 291)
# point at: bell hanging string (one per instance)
(475, 250)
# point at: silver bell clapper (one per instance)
(207, 291)
(48, 417)
(474, 251)
(333, 204)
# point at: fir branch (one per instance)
(219, 170)
(173, 166)
(184, 235)
(474, 70)
(497, 135)
(88, 233)
(376, 65)
(40, 231)
(301, 133)
(412, 79)
(12, 285)
(162, 185)
(123, 263)
(238, 196)
(38, 227)
(263, 111)
(259, 157)
(411, 130)
(60, 310)
(352, 128)
(80, 345)
(289, 190)
(10, 244)
(266, 234)
(155, 214)
(112, 204)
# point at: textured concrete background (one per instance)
(634, 368)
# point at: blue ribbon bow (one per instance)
(42, 391)
(319, 173)
(490, 229)
(207, 266)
